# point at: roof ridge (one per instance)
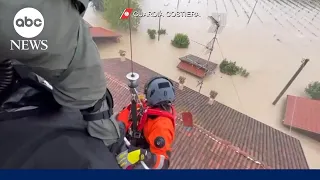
(202, 130)
(305, 98)
(228, 144)
(116, 81)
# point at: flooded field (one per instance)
(270, 47)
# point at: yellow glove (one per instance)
(130, 157)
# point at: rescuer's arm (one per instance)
(123, 116)
(159, 134)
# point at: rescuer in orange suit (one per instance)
(156, 124)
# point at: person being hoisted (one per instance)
(152, 139)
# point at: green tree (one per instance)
(152, 33)
(162, 31)
(180, 41)
(114, 9)
(313, 90)
(231, 68)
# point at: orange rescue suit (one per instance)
(154, 128)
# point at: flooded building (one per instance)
(196, 66)
(270, 46)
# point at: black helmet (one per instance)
(159, 90)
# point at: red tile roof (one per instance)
(214, 152)
(261, 142)
(303, 113)
(99, 32)
(199, 149)
(191, 69)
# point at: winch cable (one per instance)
(130, 35)
(133, 78)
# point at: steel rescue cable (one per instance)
(133, 84)
(130, 40)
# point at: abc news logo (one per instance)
(28, 23)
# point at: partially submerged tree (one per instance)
(180, 41)
(313, 90)
(115, 8)
(162, 31)
(231, 68)
(152, 33)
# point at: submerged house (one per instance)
(196, 66)
(303, 115)
(101, 34)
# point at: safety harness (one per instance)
(145, 112)
(158, 113)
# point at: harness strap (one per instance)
(100, 115)
(156, 112)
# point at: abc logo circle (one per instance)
(28, 22)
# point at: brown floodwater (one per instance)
(270, 47)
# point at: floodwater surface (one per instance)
(271, 47)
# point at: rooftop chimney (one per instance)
(181, 82)
(212, 96)
(122, 55)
